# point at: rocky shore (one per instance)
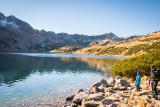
(116, 92)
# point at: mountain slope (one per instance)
(18, 36)
(129, 47)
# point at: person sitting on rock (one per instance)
(138, 81)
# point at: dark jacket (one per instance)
(154, 74)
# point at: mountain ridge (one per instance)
(128, 47)
(18, 36)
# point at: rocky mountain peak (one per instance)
(1, 16)
(17, 35)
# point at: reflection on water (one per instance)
(15, 67)
(23, 75)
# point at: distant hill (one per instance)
(18, 36)
(131, 46)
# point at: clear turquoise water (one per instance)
(41, 77)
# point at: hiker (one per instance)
(154, 81)
(138, 81)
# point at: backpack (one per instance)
(158, 76)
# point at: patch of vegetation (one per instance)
(149, 39)
(113, 50)
(67, 49)
(136, 49)
(153, 47)
(129, 67)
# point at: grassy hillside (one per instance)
(129, 67)
(66, 49)
(129, 47)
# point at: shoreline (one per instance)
(116, 92)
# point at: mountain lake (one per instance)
(37, 79)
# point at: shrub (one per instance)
(129, 67)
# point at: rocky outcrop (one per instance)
(109, 96)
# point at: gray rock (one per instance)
(74, 105)
(80, 90)
(98, 83)
(96, 96)
(122, 82)
(79, 97)
(118, 77)
(70, 97)
(102, 88)
(107, 101)
(111, 82)
(95, 89)
(91, 103)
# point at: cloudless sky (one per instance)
(91, 17)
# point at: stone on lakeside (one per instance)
(111, 82)
(118, 77)
(157, 103)
(102, 88)
(95, 89)
(142, 101)
(107, 101)
(96, 96)
(80, 90)
(79, 97)
(70, 97)
(74, 105)
(123, 105)
(109, 89)
(119, 87)
(150, 105)
(122, 82)
(143, 92)
(98, 83)
(91, 103)
(107, 94)
(131, 103)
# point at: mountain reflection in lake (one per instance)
(27, 76)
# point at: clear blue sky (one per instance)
(91, 17)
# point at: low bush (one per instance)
(129, 67)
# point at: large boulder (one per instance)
(119, 87)
(111, 82)
(121, 84)
(95, 89)
(98, 83)
(107, 101)
(96, 96)
(79, 97)
(91, 103)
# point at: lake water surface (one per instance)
(38, 79)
